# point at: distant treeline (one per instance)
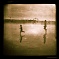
(28, 21)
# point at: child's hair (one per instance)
(20, 25)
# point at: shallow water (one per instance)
(32, 41)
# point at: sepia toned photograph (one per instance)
(30, 30)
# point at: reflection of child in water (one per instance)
(44, 38)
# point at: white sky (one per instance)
(30, 11)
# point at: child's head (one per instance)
(20, 25)
(45, 20)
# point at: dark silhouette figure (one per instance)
(44, 36)
(21, 30)
(45, 24)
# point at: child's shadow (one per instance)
(44, 36)
(21, 37)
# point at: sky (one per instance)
(30, 11)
